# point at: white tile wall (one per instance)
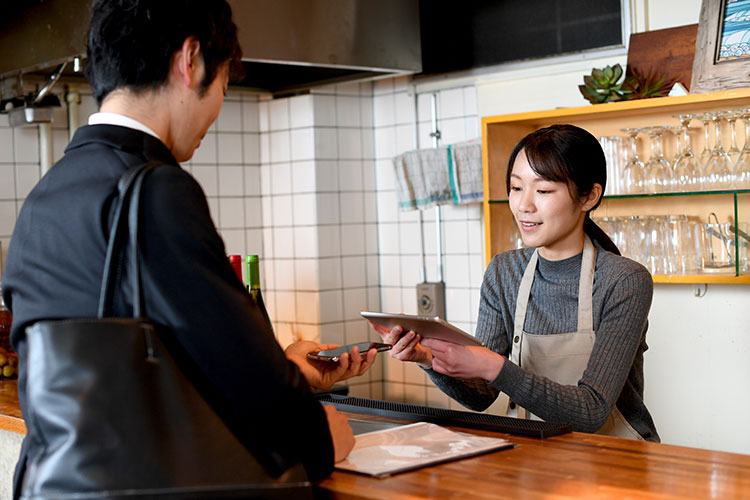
(400, 245)
(6, 144)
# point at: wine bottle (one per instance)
(236, 261)
(253, 286)
(6, 319)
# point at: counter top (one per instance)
(569, 466)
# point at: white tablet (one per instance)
(426, 326)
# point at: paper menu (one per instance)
(408, 447)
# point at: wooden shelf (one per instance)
(702, 278)
(501, 133)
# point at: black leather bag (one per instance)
(114, 411)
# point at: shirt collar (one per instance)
(121, 120)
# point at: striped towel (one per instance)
(448, 174)
(465, 164)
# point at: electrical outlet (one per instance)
(431, 299)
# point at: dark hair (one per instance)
(131, 42)
(569, 154)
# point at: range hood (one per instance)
(288, 45)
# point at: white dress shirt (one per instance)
(121, 120)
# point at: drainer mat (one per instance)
(441, 416)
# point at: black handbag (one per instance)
(114, 412)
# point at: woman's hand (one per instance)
(321, 375)
(341, 433)
(464, 361)
(406, 347)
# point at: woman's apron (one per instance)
(561, 357)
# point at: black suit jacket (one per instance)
(54, 269)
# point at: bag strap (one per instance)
(129, 188)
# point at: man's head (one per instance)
(131, 42)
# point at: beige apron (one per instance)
(561, 357)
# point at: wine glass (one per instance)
(687, 173)
(718, 168)
(658, 170)
(675, 132)
(733, 151)
(633, 175)
(705, 119)
(742, 167)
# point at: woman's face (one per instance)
(547, 217)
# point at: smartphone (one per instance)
(334, 355)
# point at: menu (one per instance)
(407, 447)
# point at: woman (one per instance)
(564, 319)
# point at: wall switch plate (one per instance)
(431, 299)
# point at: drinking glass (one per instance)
(683, 254)
(635, 237)
(731, 117)
(658, 244)
(743, 240)
(658, 170)
(705, 119)
(718, 247)
(614, 152)
(605, 224)
(610, 225)
(618, 234)
(742, 167)
(672, 154)
(687, 174)
(633, 175)
(718, 168)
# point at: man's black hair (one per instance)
(131, 42)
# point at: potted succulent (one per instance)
(604, 85)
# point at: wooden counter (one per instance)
(571, 466)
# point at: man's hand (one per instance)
(321, 375)
(341, 433)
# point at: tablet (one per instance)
(428, 327)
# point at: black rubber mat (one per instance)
(441, 416)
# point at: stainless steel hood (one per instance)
(288, 45)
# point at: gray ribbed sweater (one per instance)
(622, 297)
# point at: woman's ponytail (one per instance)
(597, 234)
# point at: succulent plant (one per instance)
(643, 85)
(601, 85)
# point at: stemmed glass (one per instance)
(687, 173)
(633, 174)
(676, 132)
(658, 170)
(733, 151)
(705, 119)
(718, 168)
(742, 167)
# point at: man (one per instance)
(159, 70)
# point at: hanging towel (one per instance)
(422, 178)
(448, 174)
(465, 168)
